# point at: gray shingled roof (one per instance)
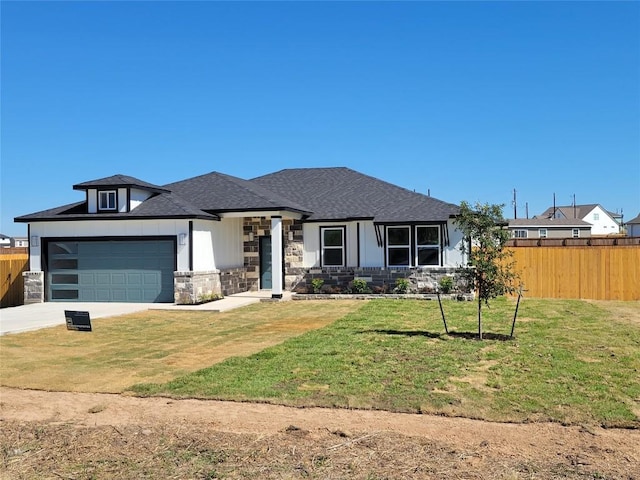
(581, 211)
(119, 180)
(341, 193)
(164, 205)
(218, 192)
(316, 193)
(634, 221)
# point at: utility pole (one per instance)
(574, 206)
(515, 205)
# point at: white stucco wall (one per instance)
(452, 257)
(122, 200)
(137, 197)
(311, 235)
(371, 255)
(111, 228)
(92, 200)
(203, 259)
(217, 245)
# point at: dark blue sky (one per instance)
(466, 99)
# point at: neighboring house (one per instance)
(20, 242)
(602, 221)
(549, 228)
(5, 241)
(132, 241)
(633, 227)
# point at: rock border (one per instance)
(462, 297)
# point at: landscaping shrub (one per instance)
(359, 285)
(402, 286)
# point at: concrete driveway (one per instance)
(49, 314)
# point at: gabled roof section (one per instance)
(119, 181)
(164, 205)
(634, 221)
(217, 192)
(339, 193)
(569, 211)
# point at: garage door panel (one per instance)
(102, 278)
(118, 278)
(113, 271)
(86, 278)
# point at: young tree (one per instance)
(491, 267)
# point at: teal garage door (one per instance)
(111, 271)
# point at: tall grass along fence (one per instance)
(596, 269)
(13, 261)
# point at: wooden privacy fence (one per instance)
(596, 272)
(12, 285)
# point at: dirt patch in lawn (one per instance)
(84, 435)
(623, 311)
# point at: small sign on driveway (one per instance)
(77, 320)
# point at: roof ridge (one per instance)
(260, 191)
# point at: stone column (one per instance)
(33, 287)
(276, 257)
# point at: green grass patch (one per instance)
(574, 362)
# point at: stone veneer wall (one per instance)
(233, 280)
(422, 280)
(257, 227)
(294, 272)
(194, 287)
(33, 287)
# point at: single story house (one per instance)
(131, 241)
(549, 228)
(20, 242)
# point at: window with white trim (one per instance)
(427, 245)
(575, 233)
(411, 246)
(399, 246)
(520, 234)
(332, 246)
(107, 200)
(542, 233)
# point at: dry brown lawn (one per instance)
(153, 346)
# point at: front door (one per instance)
(265, 263)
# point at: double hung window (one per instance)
(520, 234)
(107, 200)
(409, 246)
(333, 246)
(428, 245)
(399, 246)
